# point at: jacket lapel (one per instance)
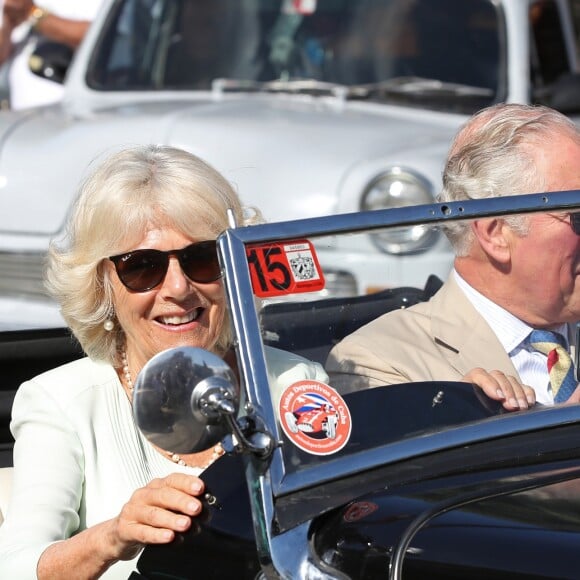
(464, 338)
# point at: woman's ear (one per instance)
(493, 236)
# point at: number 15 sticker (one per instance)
(284, 268)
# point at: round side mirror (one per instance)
(181, 398)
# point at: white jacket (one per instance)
(79, 456)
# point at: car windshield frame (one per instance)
(233, 245)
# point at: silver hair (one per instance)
(126, 194)
(493, 156)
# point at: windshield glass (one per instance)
(318, 424)
(384, 394)
(436, 52)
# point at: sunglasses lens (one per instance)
(142, 270)
(200, 262)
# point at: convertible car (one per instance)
(419, 480)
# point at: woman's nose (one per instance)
(176, 283)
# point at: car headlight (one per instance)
(400, 187)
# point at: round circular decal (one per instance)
(359, 510)
(315, 417)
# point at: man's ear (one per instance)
(493, 235)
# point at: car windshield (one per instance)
(443, 54)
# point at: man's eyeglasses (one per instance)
(142, 270)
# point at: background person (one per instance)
(138, 274)
(24, 25)
(511, 275)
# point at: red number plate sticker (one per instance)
(284, 268)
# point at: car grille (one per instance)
(22, 274)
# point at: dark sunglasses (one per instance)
(142, 270)
(575, 222)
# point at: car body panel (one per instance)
(230, 133)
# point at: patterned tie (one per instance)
(560, 367)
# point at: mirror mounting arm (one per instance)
(247, 437)
(214, 399)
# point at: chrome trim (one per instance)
(436, 213)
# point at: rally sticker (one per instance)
(315, 417)
(283, 268)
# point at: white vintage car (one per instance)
(309, 107)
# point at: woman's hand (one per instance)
(156, 512)
(153, 515)
(501, 387)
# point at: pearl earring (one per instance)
(108, 325)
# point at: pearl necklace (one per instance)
(217, 451)
(126, 371)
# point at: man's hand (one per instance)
(501, 387)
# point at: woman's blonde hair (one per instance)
(128, 193)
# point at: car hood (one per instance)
(287, 155)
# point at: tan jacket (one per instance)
(441, 339)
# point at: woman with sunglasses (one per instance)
(138, 273)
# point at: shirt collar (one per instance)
(510, 330)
